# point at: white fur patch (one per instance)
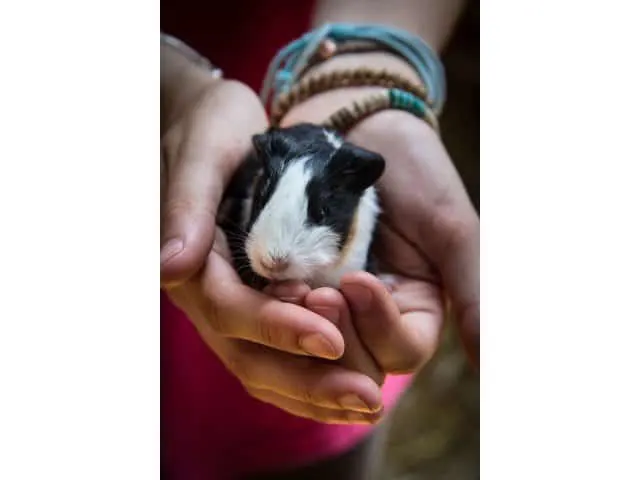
(332, 139)
(281, 230)
(312, 251)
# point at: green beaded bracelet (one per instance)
(402, 100)
(394, 98)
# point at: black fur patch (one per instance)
(275, 149)
(339, 178)
(338, 183)
(232, 224)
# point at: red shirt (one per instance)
(239, 36)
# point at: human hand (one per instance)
(204, 143)
(269, 345)
(428, 240)
(431, 236)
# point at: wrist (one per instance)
(433, 20)
(320, 106)
(357, 70)
(376, 60)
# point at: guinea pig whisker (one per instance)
(235, 225)
(237, 235)
(240, 257)
(244, 268)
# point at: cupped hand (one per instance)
(277, 350)
(203, 145)
(428, 243)
(429, 237)
(272, 346)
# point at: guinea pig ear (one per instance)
(356, 167)
(260, 143)
(270, 146)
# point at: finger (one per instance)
(240, 312)
(288, 291)
(332, 305)
(200, 164)
(313, 412)
(305, 379)
(459, 264)
(400, 329)
(189, 213)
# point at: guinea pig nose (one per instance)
(276, 264)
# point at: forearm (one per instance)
(181, 79)
(433, 20)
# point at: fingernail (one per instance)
(288, 299)
(356, 417)
(360, 297)
(354, 402)
(318, 346)
(170, 249)
(331, 314)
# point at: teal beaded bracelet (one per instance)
(394, 98)
(286, 67)
(401, 100)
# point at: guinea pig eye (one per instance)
(317, 212)
(323, 213)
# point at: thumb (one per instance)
(206, 151)
(193, 193)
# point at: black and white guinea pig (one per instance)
(303, 206)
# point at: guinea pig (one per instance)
(303, 206)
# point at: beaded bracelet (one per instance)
(329, 49)
(339, 79)
(286, 67)
(346, 118)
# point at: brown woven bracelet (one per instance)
(360, 77)
(346, 118)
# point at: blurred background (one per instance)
(435, 430)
